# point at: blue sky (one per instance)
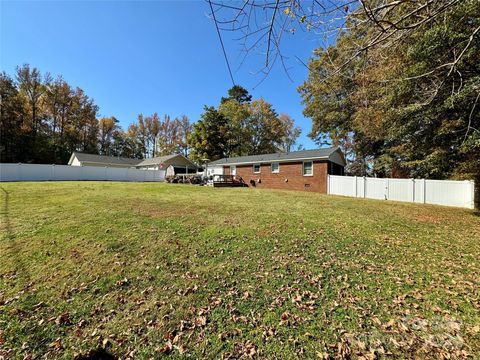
(142, 57)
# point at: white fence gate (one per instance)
(439, 192)
(36, 172)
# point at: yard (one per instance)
(144, 270)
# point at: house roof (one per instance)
(102, 159)
(175, 159)
(320, 154)
(156, 160)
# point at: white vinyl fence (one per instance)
(439, 192)
(35, 172)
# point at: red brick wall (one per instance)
(293, 172)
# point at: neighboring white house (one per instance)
(177, 163)
(214, 170)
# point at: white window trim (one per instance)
(259, 168)
(303, 168)
(278, 170)
(234, 168)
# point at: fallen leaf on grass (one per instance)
(389, 324)
(123, 282)
(322, 355)
(246, 295)
(62, 319)
(201, 321)
(57, 344)
(246, 349)
(166, 348)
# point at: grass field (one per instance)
(147, 270)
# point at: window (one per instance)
(307, 168)
(256, 168)
(275, 167)
(233, 170)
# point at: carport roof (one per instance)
(156, 160)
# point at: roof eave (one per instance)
(106, 164)
(270, 161)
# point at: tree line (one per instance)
(149, 136)
(407, 109)
(44, 119)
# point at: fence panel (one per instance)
(343, 185)
(42, 172)
(117, 174)
(38, 172)
(63, 173)
(135, 176)
(454, 193)
(401, 189)
(375, 188)
(439, 192)
(360, 186)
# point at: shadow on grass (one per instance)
(10, 237)
(6, 217)
(97, 354)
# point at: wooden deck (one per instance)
(228, 181)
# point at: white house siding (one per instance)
(214, 170)
(75, 162)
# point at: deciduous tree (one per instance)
(107, 127)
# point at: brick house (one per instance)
(298, 170)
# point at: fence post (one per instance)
(413, 190)
(386, 189)
(53, 172)
(472, 197)
(364, 186)
(424, 191)
(355, 184)
(328, 183)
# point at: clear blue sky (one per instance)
(141, 57)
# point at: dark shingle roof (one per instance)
(101, 159)
(294, 155)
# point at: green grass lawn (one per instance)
(150, 270)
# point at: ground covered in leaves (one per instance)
(150, 270)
